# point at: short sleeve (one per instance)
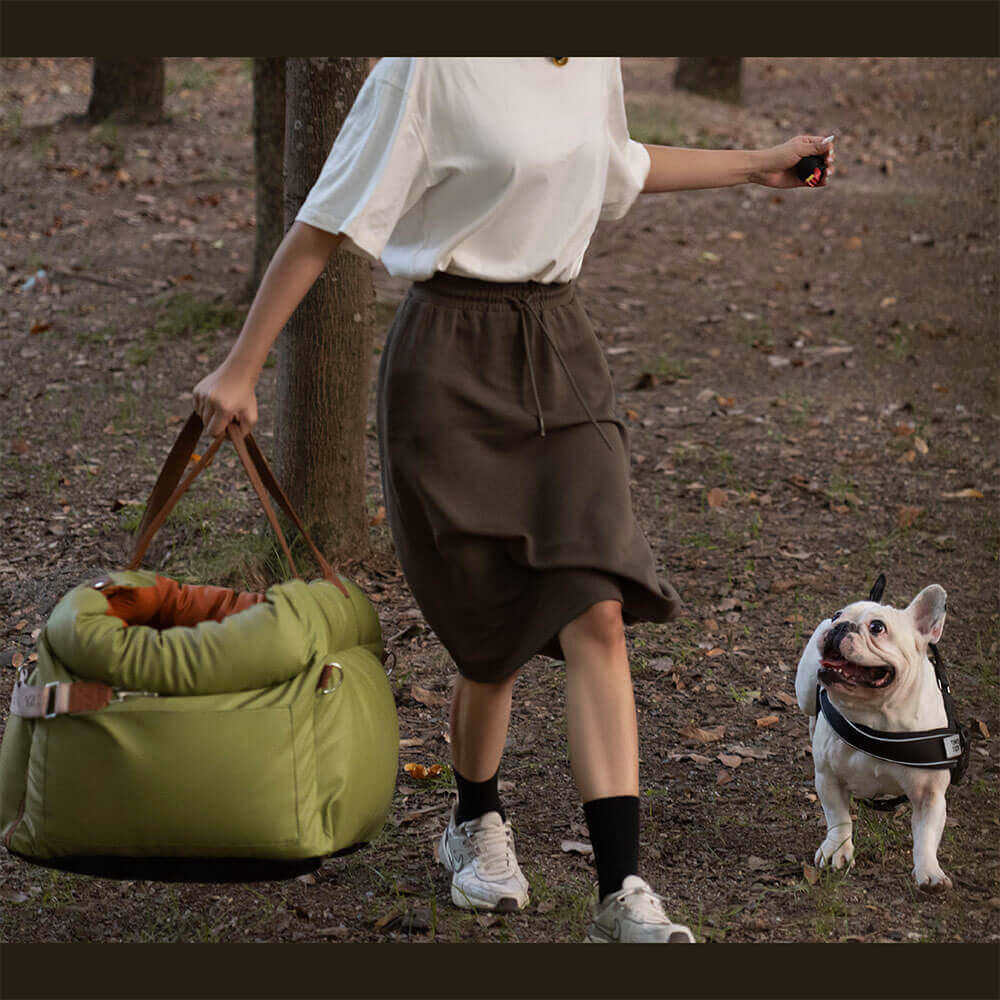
(377, 168)
(628, 160)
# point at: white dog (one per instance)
(880, 721)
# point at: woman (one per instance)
(504, 465)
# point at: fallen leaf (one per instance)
(778, 360)
(716, 498)
(730, 760)
(921, 445)
(810, 874)
(429, 698)
(966, 494)
(663, 663)
(907, 516)
(632, 415)
(983, 728)
(751, 752)
(19, 447)
(723, 777)
(577, 847)
(415, 741)
(333, 932)
(546, 907)
(785, 698)
(711, 257)
(40, 327)
(726, 401)
(415, 770)
(387, 919)
(889, 300)
(700, 735)
(854, 243)
(379, 516)
(735, 235)
(766, 720)
(716, 652)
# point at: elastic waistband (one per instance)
(447, 288)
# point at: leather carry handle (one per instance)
(172, 484)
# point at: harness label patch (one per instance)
(953, 746)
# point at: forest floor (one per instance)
(810, 383)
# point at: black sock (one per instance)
(614, 832)
(475, 798)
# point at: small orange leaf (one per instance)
(40, 327)
(415, 770)
(980, 725)
(379, 516)
(907, 516)
(632, 414)
(767, 720)
(716, 498)
(434, 770)
(716, 652)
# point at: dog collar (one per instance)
(930, 748)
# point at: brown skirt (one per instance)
(505, 471)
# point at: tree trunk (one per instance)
(325, 351)
(720, 77)
(128, 87)
(269, 160)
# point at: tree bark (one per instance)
(325, 351)
(720, 77)
(269, 161)
(130, 88)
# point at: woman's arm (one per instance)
(676, 169)
(227, 393)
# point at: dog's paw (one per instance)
(835, 853)
(932, 880)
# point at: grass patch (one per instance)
(183, 315)
(667, 369)
(644, 127)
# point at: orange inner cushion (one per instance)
(170, 603)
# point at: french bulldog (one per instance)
(872, 660)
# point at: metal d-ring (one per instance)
(330, 688)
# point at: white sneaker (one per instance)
(480, 853)
(634, 915)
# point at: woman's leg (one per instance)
(480, 715)
(600, 706)
(604, 756)
(478, 844)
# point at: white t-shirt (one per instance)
(488, 168)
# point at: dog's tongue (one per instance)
(844, 667)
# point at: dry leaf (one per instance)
(889, 300)
(907, 516)
(412, 742)
(429, 698)
(388, 918)
(40, 327)
(967, 494)
(785, 699)
(854, 243)
(716, 652)
(730, 760)
(631, 414)
(751, 752)
(700, 735)
(921, 445)
(726, 401)
(716, 497)
(415, 770)
(810, 874)
(767, 720)
(379, 516)
(982, 727)
(723, 777)
(546, 907)
(577, 847)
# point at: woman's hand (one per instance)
(776, 166)
(223, 396)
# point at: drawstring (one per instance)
(523, 305)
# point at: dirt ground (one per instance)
(810, 382)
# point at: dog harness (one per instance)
(931, 748)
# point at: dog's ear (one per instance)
(927, 610)
(878, 589)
